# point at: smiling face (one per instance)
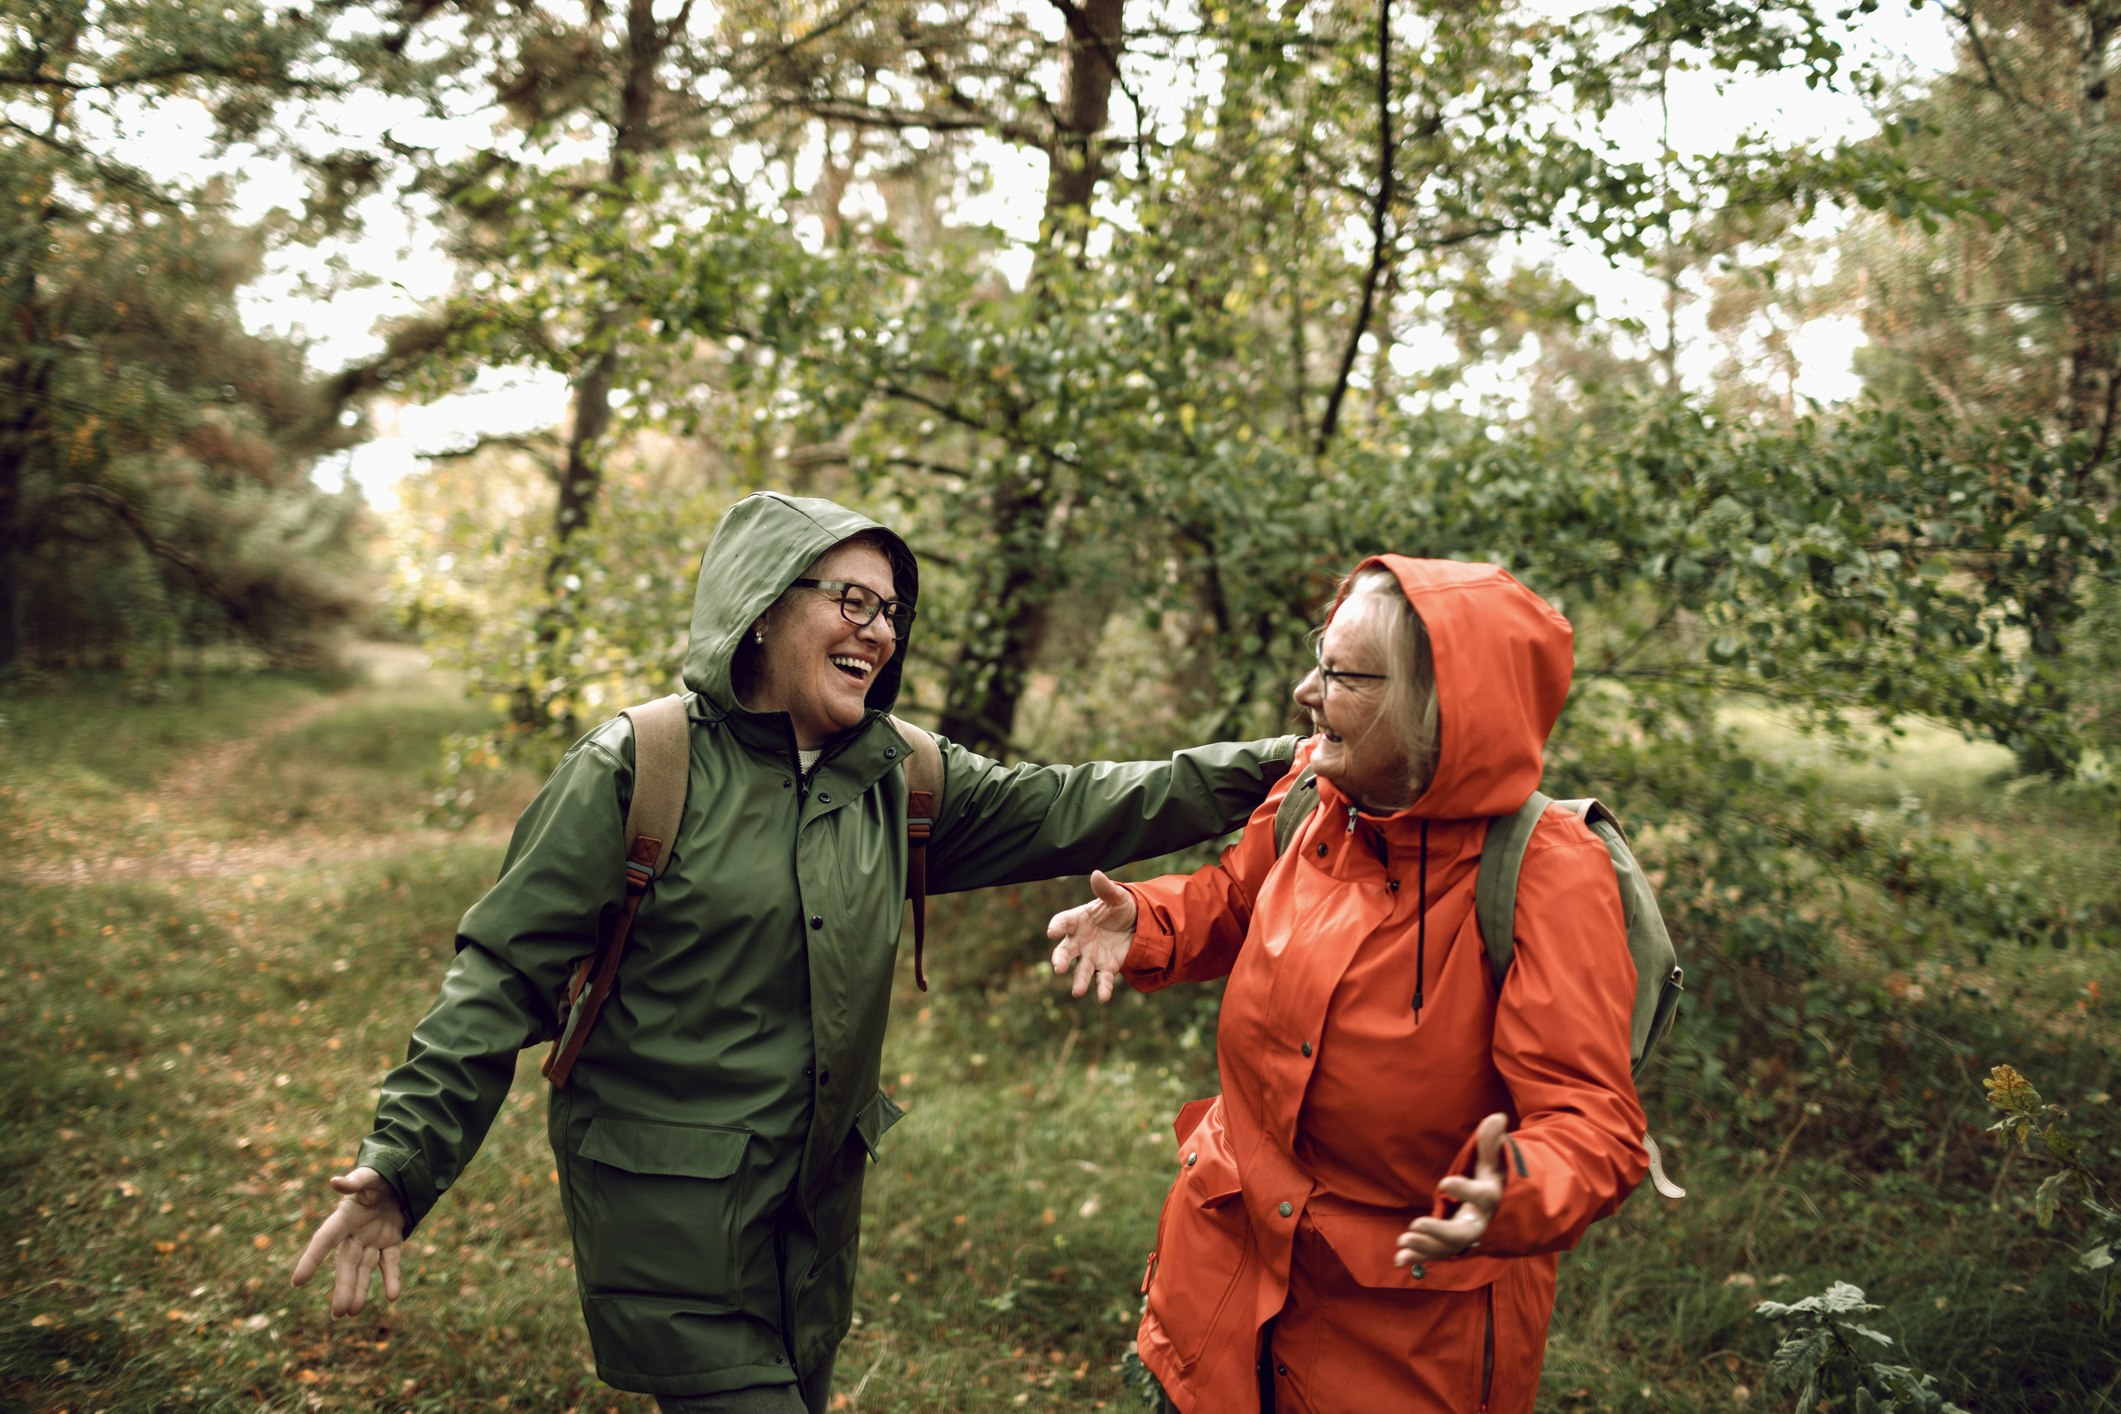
(816, 666)
(1358, 749)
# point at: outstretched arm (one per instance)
(1011, 824)
(563, 877)
(1180, 928)
(1095, 937)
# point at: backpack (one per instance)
(662, 751)
(1658, 975)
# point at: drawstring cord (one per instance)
(1421, 922)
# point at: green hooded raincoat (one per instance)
(711, 1144)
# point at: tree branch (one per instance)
(128, 515)
(816, 32)
(898, 119)
(1386, 155)
(118, 174)
(177, 69)
(538, 446)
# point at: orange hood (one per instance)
(1503, 657)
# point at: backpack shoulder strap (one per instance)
(1301, 800)
(662, 771)
(662, 751)
(1495, 887)
(923, 764)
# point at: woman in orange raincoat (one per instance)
(1371, 1072)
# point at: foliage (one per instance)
(1820, 1359)
(2028, 1120)
(154, 456)
(2015, 319)
(1006, 1225)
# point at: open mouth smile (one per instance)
(855, 668)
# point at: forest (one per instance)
(1142, 321)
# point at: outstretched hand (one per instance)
(1095, 937)
(1431, 1239)
(367, 1230)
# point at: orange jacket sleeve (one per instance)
(1189, 927)
(1561, 1044)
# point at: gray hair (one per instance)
(1410, 711)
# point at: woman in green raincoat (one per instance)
(712, 1141)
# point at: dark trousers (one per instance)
(809, 1397)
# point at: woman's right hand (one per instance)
(367, 1230)
(1095, 937)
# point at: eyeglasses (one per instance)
(1327, 677)
(860, 604)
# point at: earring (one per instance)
(758, 635)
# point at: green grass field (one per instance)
(225, 907)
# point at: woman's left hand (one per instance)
(1431, 1239)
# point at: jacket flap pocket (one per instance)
(875, 1117)
(1190, 1114)
(684, 1150)
(1366, 1243)
(1207, 1171)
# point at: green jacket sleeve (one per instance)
(1008, 824)
(562, 881)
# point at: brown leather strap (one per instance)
(662, 768)
(920, 823)
(924, 788)
(594, 975)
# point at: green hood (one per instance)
(762, 545)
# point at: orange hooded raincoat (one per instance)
(1362, 1039)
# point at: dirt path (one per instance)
(208, 774)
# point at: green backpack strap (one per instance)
(1301, 800)
(1495, 887)
(1658, 976)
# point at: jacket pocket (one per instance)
(874, 1118)
(664, 1206)
(1203, 1244)
(1366, 1244)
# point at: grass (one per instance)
(195, 1050)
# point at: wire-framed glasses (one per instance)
(1328, 678)
(859, 604)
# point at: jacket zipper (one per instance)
(1487, 1350)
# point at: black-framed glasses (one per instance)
(859, 604)
(1327, 677)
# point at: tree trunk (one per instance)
(2088, 408)
(1023, 572)
(23, 398)
(582, 478)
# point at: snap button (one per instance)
(1307, 1048)
(817, 921)
(1280, 1369)
(890, 753)
(809, 1071)
(1417, 1271)
(1190, 1158)
(1286, 1210)
(786, 783)
(1321, 851)
(1393, 886)
(825, 797)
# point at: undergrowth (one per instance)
(196, 1052)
